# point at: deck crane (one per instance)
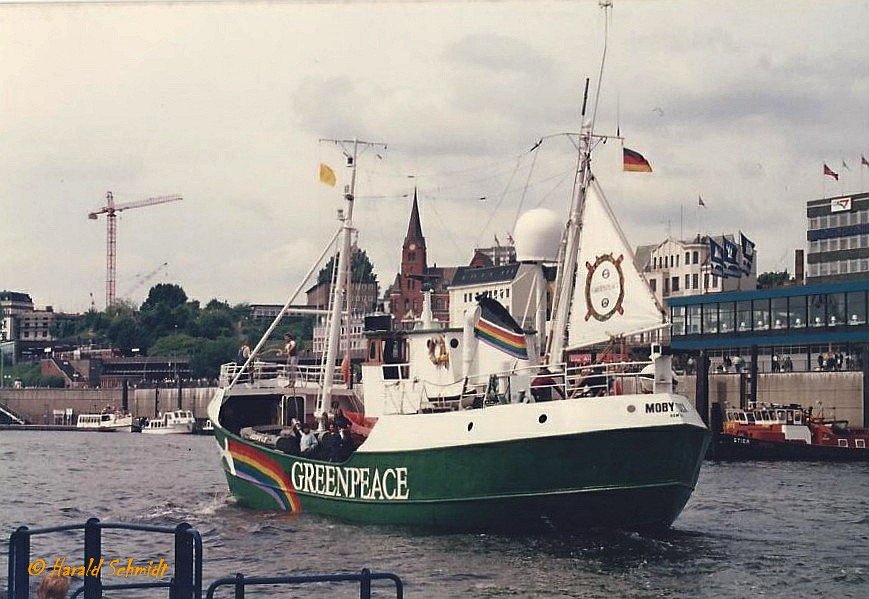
(110, 210)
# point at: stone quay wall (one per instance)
(37, 405)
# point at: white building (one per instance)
(676, 268)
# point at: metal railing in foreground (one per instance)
(239, 582)
(186, 582)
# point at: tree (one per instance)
(361, 269)
(773, 279)
(167, 294)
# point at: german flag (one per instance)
(634, 161)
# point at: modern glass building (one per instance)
(800, 322)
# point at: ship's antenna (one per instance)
(605, 5)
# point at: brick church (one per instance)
(406, 293)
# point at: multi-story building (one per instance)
(12, 303)
(524, 288)
(838, 239)
(676, 268)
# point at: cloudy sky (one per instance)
(225, 103)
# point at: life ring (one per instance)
(437, 351)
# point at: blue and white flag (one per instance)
(732, 268)
(716, 258)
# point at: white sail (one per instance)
(610, 297)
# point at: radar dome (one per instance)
(537, 236)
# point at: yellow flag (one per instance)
(327, 175)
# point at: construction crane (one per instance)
(110, 210)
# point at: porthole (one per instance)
(542, 418)
(470, 426)
(454, 343)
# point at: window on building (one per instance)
(743, 316)
(674, 284)
(779, 310)
(710, 318)
(677, 261)
(687, 281)
(687, 257)
(695, 281)
(856, 307)
(817, 305)
(694, 319)
(705, 280)
(726, 315)
(666, 285)
(760, 310)
(653, 284)
(836, 309)
(696, 255)
(677, 319)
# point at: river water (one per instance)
(779, 530)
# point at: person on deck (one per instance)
(308, 442)
(330, 441)
(288, 442)
(291, 349)
(341, 421)
(543, 385)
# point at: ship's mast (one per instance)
(566, 277)
(570, 246)
(341, 281)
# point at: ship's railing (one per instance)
(364, 578)
(272, 371)
(185, 584)
(518, 385)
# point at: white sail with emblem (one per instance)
(610, 297)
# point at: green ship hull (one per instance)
(628, 478)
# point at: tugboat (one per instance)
(787, 432)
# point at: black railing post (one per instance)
(365, 584)
(19, 560)
(93, 586)
(239, 586)
(182, 587)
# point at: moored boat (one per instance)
(170, 423)
(105, 422)
(787, 432)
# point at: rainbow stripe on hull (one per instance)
(255, 466)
